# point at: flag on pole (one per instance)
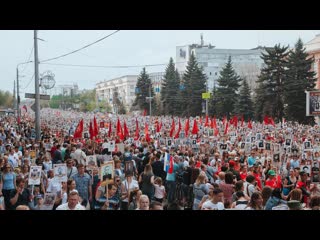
(187, 127)
(179, 129)
(172, 128)
(95, 127)
(91, 131)
(79, 130)
(206, 124)
(110, 129)
(249, 124)
(168, 163)
(195, 128)
(125, 129)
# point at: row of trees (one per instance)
(282, 83)
(86, 102)
(6, 99)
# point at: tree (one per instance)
(299, 79)
(143, 89)
(170, 90)
(229, 82)
(272, 79)
(194, 84)
(244, 105)
(6, 99)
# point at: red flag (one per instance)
(119, 130)
(173, 126)
(214, 123)
(195, 128)
(137, 135)
(249, 124)
(235, 121)
(79, 130)
(146, 132)
(102, 124)
(91, 131)
(125, 129)
(171, 165)
(145, 112)
(95, 127)
(110, 130)
(266, 120)
(226, 129)
(242, 119)
(158, 127)
(187, 127)
(216, 132)
(206, 124)
(178, 132)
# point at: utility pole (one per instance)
(37, 93)
(207, 100)
(18, 94)
(149, 99)
(14, 95)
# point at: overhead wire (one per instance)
(77, 50)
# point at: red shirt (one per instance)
(257, 176)
(243, 176)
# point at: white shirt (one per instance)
(80, 156)
(134, 184)
(66, 207)
(213, 206)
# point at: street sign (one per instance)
(33, 95)
(206, 95)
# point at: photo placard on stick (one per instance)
(48, 201)
(276, 148)
(288, 142)
(168, 142)
(307, 146)
(111, 146)
(91, 161)
(32, 154)
(261, 144)
(34, 175)
(268, 146)
(242, 145)
(276, 157)
(306, 168)
(60, 172)
(128, 168)
(107, 171)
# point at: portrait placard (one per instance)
(276, 157)
(34, 175)
(128, 168)
(60, 172)
(111, 146)
(268, 146)
(107, 171)
(48, 201)
(168, 142)
(91, 161)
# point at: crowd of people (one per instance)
(222, 166)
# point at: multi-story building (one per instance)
(313, 49)
(125, 86)
(246, 62)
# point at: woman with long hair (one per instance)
(255, 202)
(146, 179)
(200, 188)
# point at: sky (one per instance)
(124, 48)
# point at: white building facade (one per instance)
(247, 63)
(125, 86)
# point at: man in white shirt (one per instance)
(80, 156)
(73, 202)
(216, 202)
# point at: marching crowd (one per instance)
(221, 166)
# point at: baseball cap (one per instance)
(271, 172)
